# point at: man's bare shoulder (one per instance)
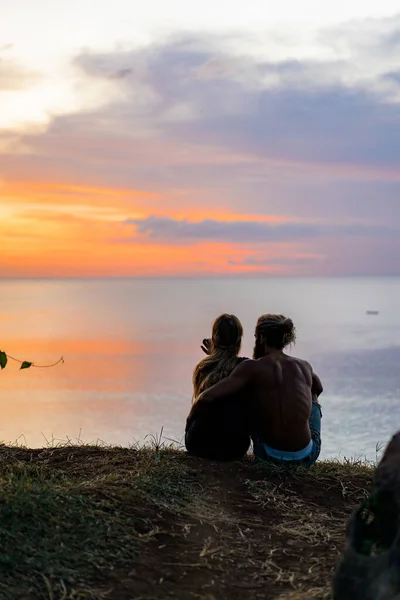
(246, 366)
(285, 358)
(264, 363)
(303, 363)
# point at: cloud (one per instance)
(14, 76)
(325, 111)
(293, 261)
(190, 94)
(391, 40)
(164, 228)
(393, 76)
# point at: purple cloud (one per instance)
(168, 229)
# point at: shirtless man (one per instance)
(283, 392)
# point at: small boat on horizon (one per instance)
(372, 312)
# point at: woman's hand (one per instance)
(206, 346)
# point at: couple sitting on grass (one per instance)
(272, 399)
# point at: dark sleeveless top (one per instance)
(220, 430)
(225, 408)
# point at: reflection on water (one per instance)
(130, 347)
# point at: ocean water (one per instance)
(130, 347)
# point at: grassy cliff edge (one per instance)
(151, 523)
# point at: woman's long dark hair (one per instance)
(227, 333)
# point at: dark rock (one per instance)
(370, 567)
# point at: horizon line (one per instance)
(191, 277)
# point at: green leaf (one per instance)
(25, 365)
(3, 359)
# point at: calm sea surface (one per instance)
(130, 347)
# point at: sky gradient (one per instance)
(188, 139)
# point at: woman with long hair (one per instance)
(219, 431)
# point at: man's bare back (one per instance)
(281, 390)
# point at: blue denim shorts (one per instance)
(315, 428)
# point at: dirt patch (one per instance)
(232, 531)
(253, 535)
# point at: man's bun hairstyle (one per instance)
(278, 331)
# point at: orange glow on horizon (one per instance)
(73, 230)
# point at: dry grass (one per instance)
(311, 523)
(69, 514)
(93, 522)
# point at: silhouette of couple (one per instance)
(271, 399)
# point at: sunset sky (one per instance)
(188, 138)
